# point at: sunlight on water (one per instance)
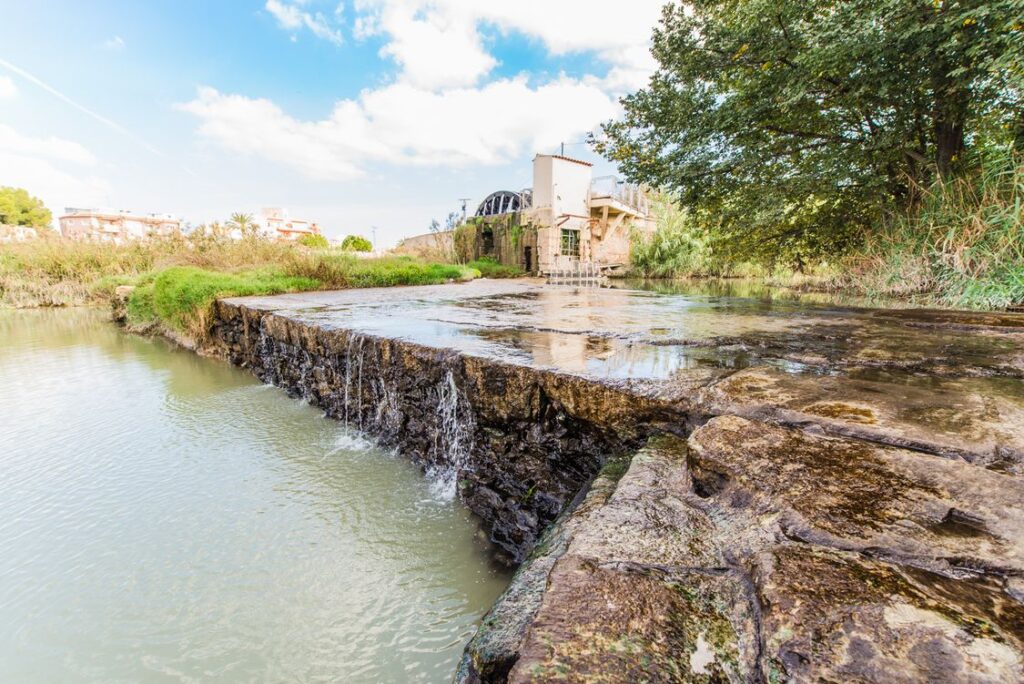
(165, 517)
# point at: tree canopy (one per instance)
(18, 208)
(794, 127)
(356, 243)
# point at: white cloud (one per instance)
(291, 17)
(7, 87)
(115, 44)
(437, 43)
(405, 125)
(35, 164)
(444, 107)
(53, 148)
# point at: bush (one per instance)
(356, 243)
(490, 268)
(678, 248)
(314, 241)
(964, 245)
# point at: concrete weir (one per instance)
(695, 488)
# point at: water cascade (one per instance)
(452, 439)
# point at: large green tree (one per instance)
(18, 208)
(793, 126)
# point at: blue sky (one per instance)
(354, 114)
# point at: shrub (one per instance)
(356, 243)
(964, 245)
(314, 241)
(490, 268)
(678, 247)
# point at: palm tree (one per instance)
(243, 222)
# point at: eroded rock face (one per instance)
(757, 552)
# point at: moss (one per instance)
(615, 469)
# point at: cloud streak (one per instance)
(113, 125)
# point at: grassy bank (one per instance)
(961, 245)
(177, 280)
(490, 268)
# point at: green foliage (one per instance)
(18, 208)
(356, 243)
(678, 248)
(792, 130)
(316, 241)
(464, 239)
(341, 271)
(490, 268)
(181, 296)
(964, 245)
(243, 223)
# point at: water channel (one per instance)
(165, 517)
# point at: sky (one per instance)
(354, 114)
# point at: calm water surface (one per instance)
(166, 518)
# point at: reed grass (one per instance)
(177, 280)
(963, 246)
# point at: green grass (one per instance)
(490, 268)
(962, 247)
(181, 296)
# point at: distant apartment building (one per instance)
(115, 225)
(275, 222)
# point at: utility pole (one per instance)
(464, 200)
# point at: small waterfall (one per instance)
(451, 439)
(355, 343)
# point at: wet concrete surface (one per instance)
(619, 334)
(948, 382)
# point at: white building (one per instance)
(116, 225)
(276, 223)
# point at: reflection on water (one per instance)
(165, 517)
(741, 288)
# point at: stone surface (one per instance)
(763, 553)
(826, 494)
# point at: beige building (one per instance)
(580, 219)
(275, 222)
(117, 226)
(568, 221)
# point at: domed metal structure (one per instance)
(500, 202)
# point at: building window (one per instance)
(570, 243)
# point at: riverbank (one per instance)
(176, 280)
(783, 491)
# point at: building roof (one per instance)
(564, 158)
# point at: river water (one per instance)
(165, 517)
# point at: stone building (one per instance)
(115, 225)
(567, 221)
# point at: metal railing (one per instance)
(630, 194)
(580, 273)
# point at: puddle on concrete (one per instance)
(645, 334)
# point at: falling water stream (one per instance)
(164, 517)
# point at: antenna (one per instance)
(464, 200)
